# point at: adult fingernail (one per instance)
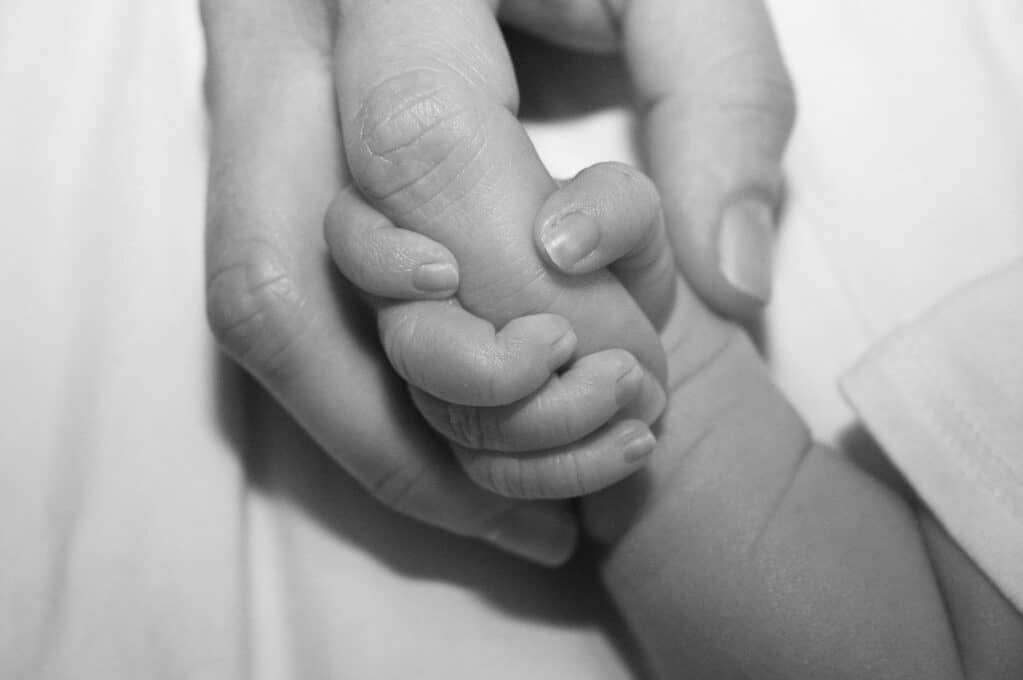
(745, 244)
(537, 532)
(637, 443)
(436, 277)
(629, 382)
(570, 238)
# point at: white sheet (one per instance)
(160, 518)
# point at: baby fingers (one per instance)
(567, 408)
(594, 463)
(609, 215)
(382, 259)
(442, 349)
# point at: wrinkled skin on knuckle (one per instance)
(253, 308)
(415, 136)
(741, 82)
(770, 96)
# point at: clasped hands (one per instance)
(544, 373)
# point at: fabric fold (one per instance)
(943, 395)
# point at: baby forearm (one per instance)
(822, 592)
(753, 553)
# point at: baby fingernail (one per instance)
(638, 443)
(570, 238)
(437, 277)
(745, 247)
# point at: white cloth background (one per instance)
(160, 518)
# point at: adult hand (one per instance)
(719, 107)
(275, 302)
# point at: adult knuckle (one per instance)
(752, 79)
(634, 176)
(418, 134)
(771, 93)
(253, 308)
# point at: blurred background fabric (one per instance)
(160, 517)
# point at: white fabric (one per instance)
(160, 518)
(944, 396)
(905, 170)
(918, 200)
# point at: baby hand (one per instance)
(519, 427)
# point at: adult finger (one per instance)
(441, 348)
(719, 110)
(382, 259)
(590, 25)
(610, 215)
(426, 97)
(277, 308)
(568, 407)
(602, 459)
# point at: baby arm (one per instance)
(744, 549)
